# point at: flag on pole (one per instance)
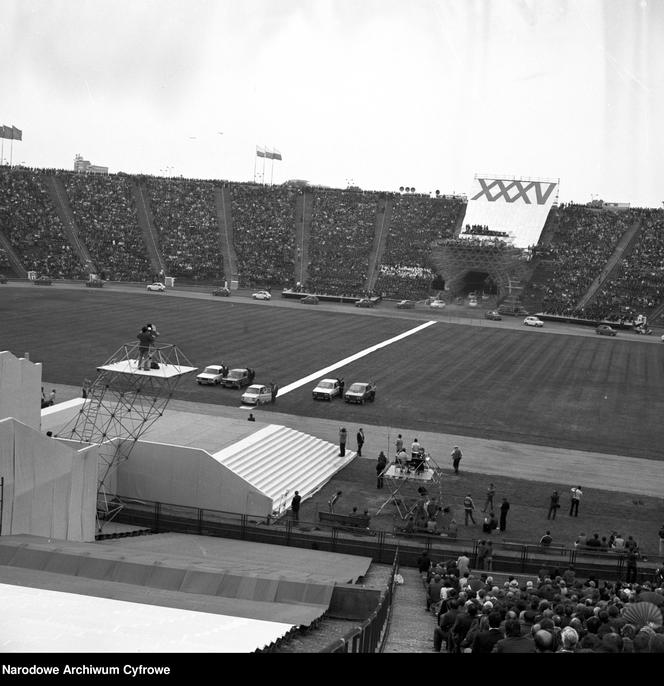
(268, 154)
(260, 152)
(276, 155)
(17, 134)
(5, 131)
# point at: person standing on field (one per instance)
(576, 493)
(456, 458)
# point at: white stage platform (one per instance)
(165, 371)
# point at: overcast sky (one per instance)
(385, 93)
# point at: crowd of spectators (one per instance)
(107, 222)
(580, 247)
(264, 234)
(183, 213)
(417, 222)
(637, 284)
(340, 242)
(482, 230)
(32, 226)
(5, 264)
(556, 612)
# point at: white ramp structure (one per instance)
(278, 461)
(255, 475)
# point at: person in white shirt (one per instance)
(576, 499)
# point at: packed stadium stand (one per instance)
(188, 234)
(417, 221)
(105, 216)
(30, 223)
(590, 262)
(263, 234)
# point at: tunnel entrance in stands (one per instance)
(476, 282)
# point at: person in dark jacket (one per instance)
(486, 640)
(514, 642)
(380, 468)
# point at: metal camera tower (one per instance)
(122, 403)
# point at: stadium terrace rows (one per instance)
(590, 261)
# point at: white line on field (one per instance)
(342, 363)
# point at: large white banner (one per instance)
(514, 206)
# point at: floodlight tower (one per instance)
(122, 403)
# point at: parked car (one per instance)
(326, 389)
(437, 304)
(237, 378)
(156, 287)
(261, 295)
(309, 300)
(493, 315)
(365, 302)
(258, 394)
(42, 281)
(3, 278)
(605, 330)
(533, 321)
(212, 374)
(406, 305)
(222, 291)
(361, 392)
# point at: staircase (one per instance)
(19, 269)
(623, 247)
(382, 228)
(278, 460)
(146, 223)
(411, 626)
(222, 201)
(304, 206)
(60, 200)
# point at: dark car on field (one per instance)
(406, 305)
(3, 278)
(365, 302)
(237, 378)
(42, 281)
(309, 300)
(361, 392)
(222, 291)
(605, 330)
(493, 315)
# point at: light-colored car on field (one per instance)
(326, 389)
(261, 295)
(533, 321)
(437, 304)
(156, 287)
(361, 392)
(257, 394)
(212, 375)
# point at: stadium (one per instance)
(137, 494)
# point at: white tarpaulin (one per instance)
(49, 489)
(516, 206)
(39, 620)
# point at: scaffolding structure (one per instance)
(504, 263)
(122, 404)
(405, 483)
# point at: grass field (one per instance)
(591, 393)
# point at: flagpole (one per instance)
(272, 168)
(11, 151)
(263, 179)
(255, 156)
